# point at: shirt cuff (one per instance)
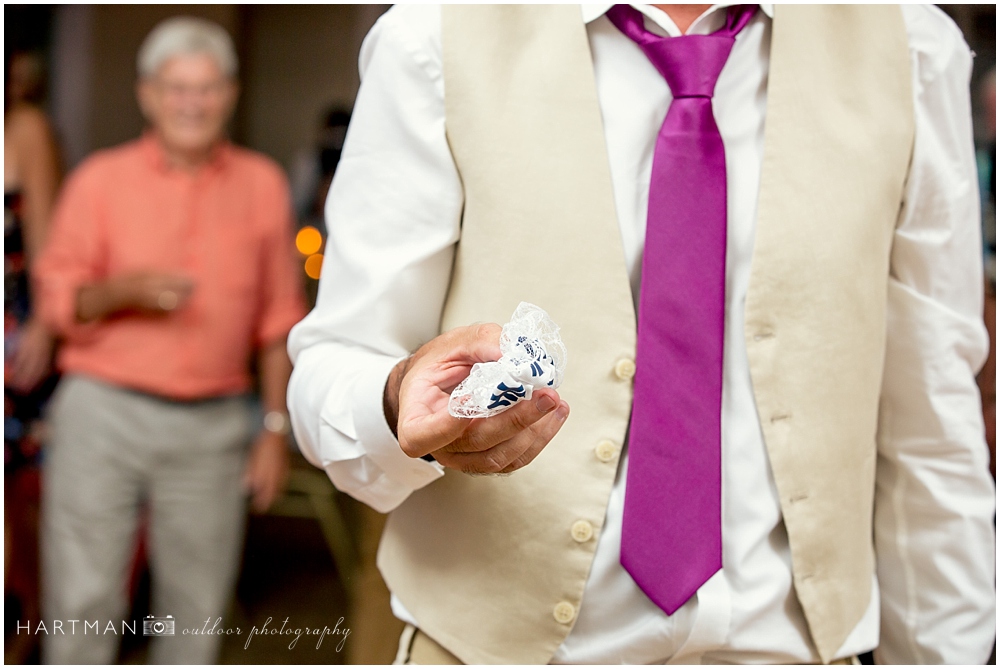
(377, 439)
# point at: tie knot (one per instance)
(690, 64)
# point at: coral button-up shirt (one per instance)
(227, 226)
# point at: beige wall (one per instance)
(300, 60)
(296, 60)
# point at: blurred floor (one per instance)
(288, 572)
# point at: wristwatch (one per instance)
(277, 422)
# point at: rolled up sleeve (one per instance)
(75, 253)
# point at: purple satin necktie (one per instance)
(672, 525)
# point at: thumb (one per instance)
(423, 434)
(478, 343)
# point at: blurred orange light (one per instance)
(314, 265)
(308, 241)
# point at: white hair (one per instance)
(186, 35)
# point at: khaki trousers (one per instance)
(415, 647)
(112, 451)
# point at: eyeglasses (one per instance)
(175, 89)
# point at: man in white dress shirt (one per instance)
(395, 217)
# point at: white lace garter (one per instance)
(534, 357)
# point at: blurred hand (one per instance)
(416, 405)
(267, 470)
(150, 292)
(33, 359)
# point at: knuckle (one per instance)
(485, 464)
(526, 418)
(517, 419)
(475, 441)
(487, 330)
(493, 463)
(525, 458)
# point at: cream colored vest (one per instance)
(494, 567)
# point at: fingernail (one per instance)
(563, 413)
(545, 404)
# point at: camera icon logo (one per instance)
(158, 626)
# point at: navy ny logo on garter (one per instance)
(505, 396)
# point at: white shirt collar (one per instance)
(593, 12)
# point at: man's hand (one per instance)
(416, 406)
(267, 470)
(149, 292)
(33, 360)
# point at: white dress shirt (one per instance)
(394, 213)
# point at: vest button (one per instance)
(564, 612)
(625, 369)
(582, 531)
(606, 451)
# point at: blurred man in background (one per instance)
(168, 268)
